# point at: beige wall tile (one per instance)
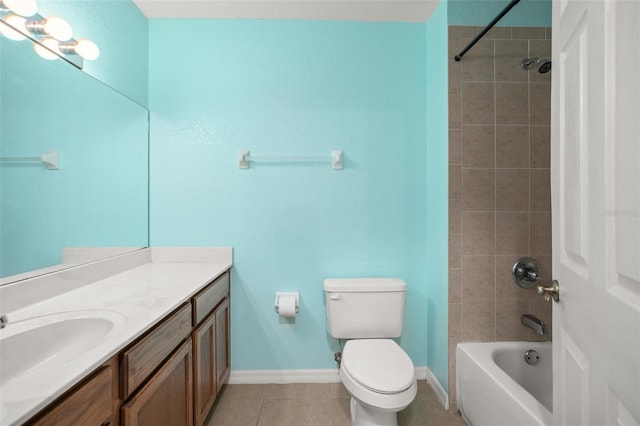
(455, 241)
(512, 190)
(463, 31)
(478, 146)
(540, 146)
(512, 147)
(512, 103)
(478, 277)
(454, 77)
(477, 64)
(540, 234)
(509, 55)
(506, 288)
(478, 190)
(455, 285)
(512, 232)
(540, 190)
(455, 181)
(478, 319)
(546, 264)
(455, 216)
(528, 32)
(499, 33)
(508, 324)
(540, 103)
(477, 103)
(455, 146)
(455, 317)
(478, 234)
(454, 111)
(502, 126)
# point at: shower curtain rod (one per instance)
(486, 29)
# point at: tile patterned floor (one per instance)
(313, 404)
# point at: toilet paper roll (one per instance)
(287, 306)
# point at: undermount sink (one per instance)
(52, 339)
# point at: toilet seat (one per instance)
(371, 381)
(379, 365)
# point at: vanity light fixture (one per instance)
(54, 26)
(83, 47)
(21, 7)
(13, 30)
(52, 37)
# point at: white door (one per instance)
(596, 211)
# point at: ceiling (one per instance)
(340, 10)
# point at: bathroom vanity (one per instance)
(160, 357)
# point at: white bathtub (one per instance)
(497, 387)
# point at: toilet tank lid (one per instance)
(354, 285)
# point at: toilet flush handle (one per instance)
(334, 296)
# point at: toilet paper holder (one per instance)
(283, 294)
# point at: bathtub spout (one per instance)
(534, 323)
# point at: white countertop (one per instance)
(134, 300)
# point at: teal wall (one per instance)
(527, 13)
(120, 30)
(437, 195)
(302, 88)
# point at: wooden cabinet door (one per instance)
(222, 342)
(204, 373)
(91, 404)
(167, 398)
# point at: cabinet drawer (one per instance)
(207, 299)
(139, 361)
(90, 404)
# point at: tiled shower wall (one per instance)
(499, 189)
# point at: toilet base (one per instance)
(365, 415)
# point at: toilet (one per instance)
(376, 371)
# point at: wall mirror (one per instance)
(94, 202)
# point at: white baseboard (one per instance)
(331, 375)
(441, 394)
(243, 377)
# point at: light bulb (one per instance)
(43, 52)
(87, 49)
(15, 33)
(83, 47)
(21, 7)
(58, 28)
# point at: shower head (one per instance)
(544, 65)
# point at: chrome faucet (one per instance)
(4, 320)
(534, 323)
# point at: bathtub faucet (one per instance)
(534, 323)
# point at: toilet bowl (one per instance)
(380, 377)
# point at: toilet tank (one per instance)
(363, 308)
